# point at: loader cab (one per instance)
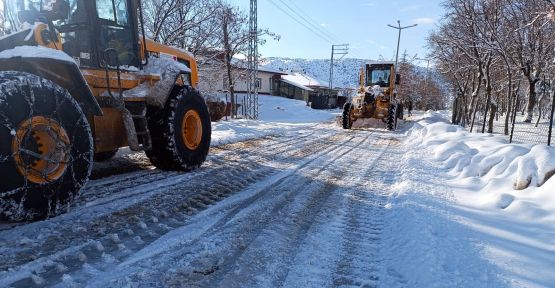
(96, 33)
(379, 74)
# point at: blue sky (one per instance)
(360, 23)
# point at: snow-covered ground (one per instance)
(277, 115)
(455, 218)
(304, 203)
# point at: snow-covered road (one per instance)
(304, 208)
(304, 203)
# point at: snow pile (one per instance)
(277, 115)
(487, 156)
(466, 211)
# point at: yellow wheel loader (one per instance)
(376, 97)
(78, 81)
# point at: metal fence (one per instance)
(514, 126)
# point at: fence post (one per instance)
(514, 118)
(551, 118)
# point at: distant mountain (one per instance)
(346, 71)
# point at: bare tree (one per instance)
(496, 43)
(3, 20)
(188, 24)
(235, 39)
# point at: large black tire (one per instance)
(392, 117)
(169, 149)
(105, 156)
(46, 147)
(346, 117)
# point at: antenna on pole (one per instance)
(251, 103)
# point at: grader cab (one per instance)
(78, 81)
(376, 97)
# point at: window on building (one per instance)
(258, 83)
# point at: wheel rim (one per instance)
(41, 150)
(192, 130)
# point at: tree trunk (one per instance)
(487, 80)
(228, 58)
(475, 93)
(509, 99)
(461, 110)
(454, 117)
(231, 89)
(492, 117)
(531, 101)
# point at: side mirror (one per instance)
(398, 79)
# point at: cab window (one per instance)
(116, 43)
(113, 11)
(75, 33)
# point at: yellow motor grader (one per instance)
(376, 97)
(78, 81)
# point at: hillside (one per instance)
(346, 71)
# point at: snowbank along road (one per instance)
(302, 209)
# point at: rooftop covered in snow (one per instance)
(304, 80)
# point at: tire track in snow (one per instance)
(97, 192)
(362, 224)
(267, 260)
(99, 189)
(236, 209)
(247, 219)
(342, 246)
(122, 236)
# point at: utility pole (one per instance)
(251, 101)
(398, 27)
(427, 65)
(426, 79)
(337, 50)
(427, 70)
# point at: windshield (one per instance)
(378, 76)
(18, 12)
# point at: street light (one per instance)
(398, 27)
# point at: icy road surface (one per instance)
(282, 204)
(301, 209)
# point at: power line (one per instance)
(309, 20)
(339, 50)
(321, 36)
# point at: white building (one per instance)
(213, 77)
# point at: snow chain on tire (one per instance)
(346, 116)
(46, 147)
(392, 117)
